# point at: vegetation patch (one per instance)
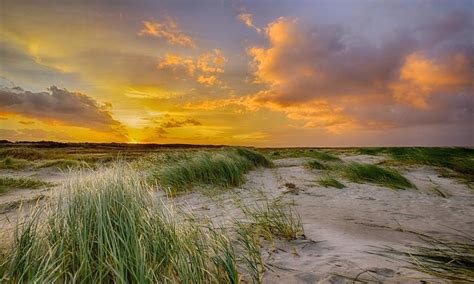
(255, 158)
(323, 156)
(64, 164)
(331, 182)
(14, 163)
(459, 160)
(317, 165)
(22, 153)
(361, 173)
(224, 168)
(248, 240)
(107, 230)
(448, 260)
(372, 151)
(299, 152)
(8, 183)
(275, 219)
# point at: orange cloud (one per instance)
(169, 30)
(204, 68)
(421, 77)
(175, 62)
(313, 75)
(247, 19)
(211, 62)
(208, 80)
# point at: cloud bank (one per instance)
(60, 106)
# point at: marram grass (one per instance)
(223, 168)
(444, 259)
(107, 229)
(274, 218)
(375, 174)
(331, 182)
(8, 183)
(317, 165)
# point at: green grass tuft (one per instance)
(223, 168)
(373, 151)
(371, 173)
(249, 241)
(317, 165)
(14, 163)
(256, 158)
(302, 152)
(64, 164)
(323, 156)
(448, 260)
(275, 219)
(331, 182)
(460, 160)
(22, 153)
(8, 183)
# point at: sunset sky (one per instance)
(261, 73)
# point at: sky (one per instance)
(257, 73)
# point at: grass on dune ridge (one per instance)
(22, 153)
(274, 218)
(375, 174)
(317, 165)
(460, 160)
(63, 164)
(448, 260)
(331, 182)
(106, 229)
(310, 153)
(361, 173)
(14, 163)
(7, 183)
(222, 168)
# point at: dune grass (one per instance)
(249, 241)
(372, 151)
(459, 160)
(22, 153)
(310, 153)
(63, 164)
(8, 183)
(14, 163)
(223, 168)
(317, 165)
(255, 158)
(274, 218)
(331, 182)
(375, 174)
(448, 260)
(323, 156)
(107, 230)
